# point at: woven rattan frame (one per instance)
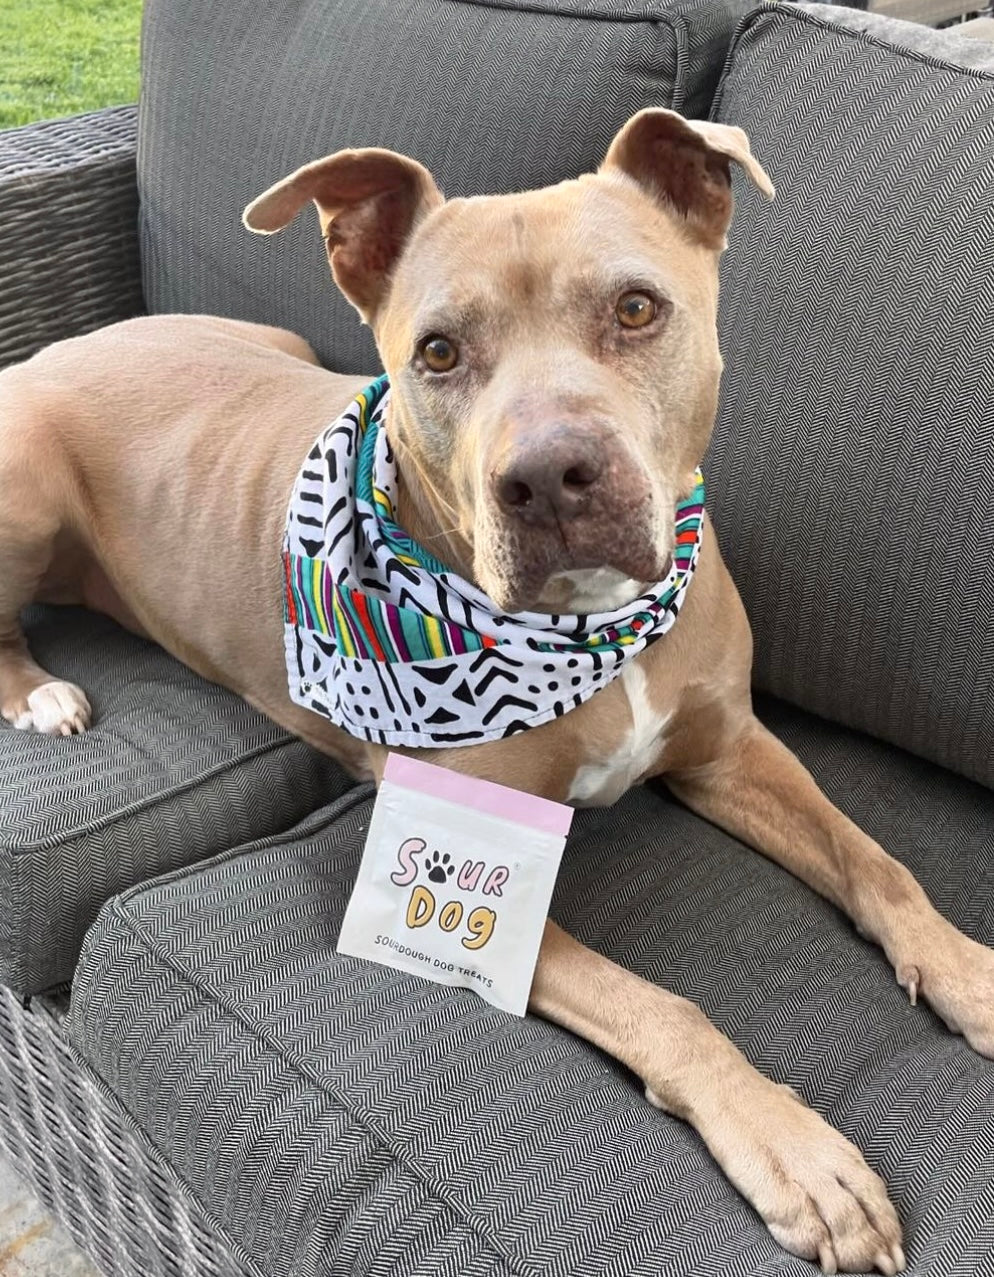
(69, 213)
(69, 263)
(78, 1149)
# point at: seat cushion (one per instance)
(174, 770)
(338, 1117)
(491, 95)
(851, 476)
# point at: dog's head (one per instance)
(553, 354)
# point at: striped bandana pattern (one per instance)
(392, 646)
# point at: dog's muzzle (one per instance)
(571, 496)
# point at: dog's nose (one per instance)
(549, 481)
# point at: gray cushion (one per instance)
(490, 96)
(174, 770)
(337, 1117)
(852, 473)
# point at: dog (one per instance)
(554, 368)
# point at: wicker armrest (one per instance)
(68, 229)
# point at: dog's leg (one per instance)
(759, 791)
(30, 697)
(811, 1186)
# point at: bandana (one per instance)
(389, 644)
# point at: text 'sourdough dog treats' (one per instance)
(455, 881)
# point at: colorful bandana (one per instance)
(388, 643)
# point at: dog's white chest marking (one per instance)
(604, 782)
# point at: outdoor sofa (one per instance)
(190, 1075)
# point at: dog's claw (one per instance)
(909, 978)
(826, 1259)
(55, 709)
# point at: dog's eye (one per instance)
(440, 354)
(635, 310)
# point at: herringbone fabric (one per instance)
(339, 1118)
(852, 474)
(491, 97)
(944, 46)
(174, 770)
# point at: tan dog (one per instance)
(554, 365)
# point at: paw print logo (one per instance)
(439, 869)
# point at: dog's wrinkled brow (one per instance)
(452, 318)
(621, 276)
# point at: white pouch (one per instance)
(455, 880)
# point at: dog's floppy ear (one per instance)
(368, 204)
(686, 164)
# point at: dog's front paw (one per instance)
(817, 1195)
(955, 975)
(56, 709)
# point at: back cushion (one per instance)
(852, 471)
(490, 96)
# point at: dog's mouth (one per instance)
(589, 591)
(587, 565)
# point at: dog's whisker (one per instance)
(448, 532)
(562, 534)
(423, 476)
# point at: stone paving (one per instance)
(32, 1242)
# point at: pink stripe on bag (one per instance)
(482, 795)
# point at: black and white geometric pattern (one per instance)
(464, 697)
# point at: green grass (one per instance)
(58, 57)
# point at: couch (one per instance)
(190, 1075)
